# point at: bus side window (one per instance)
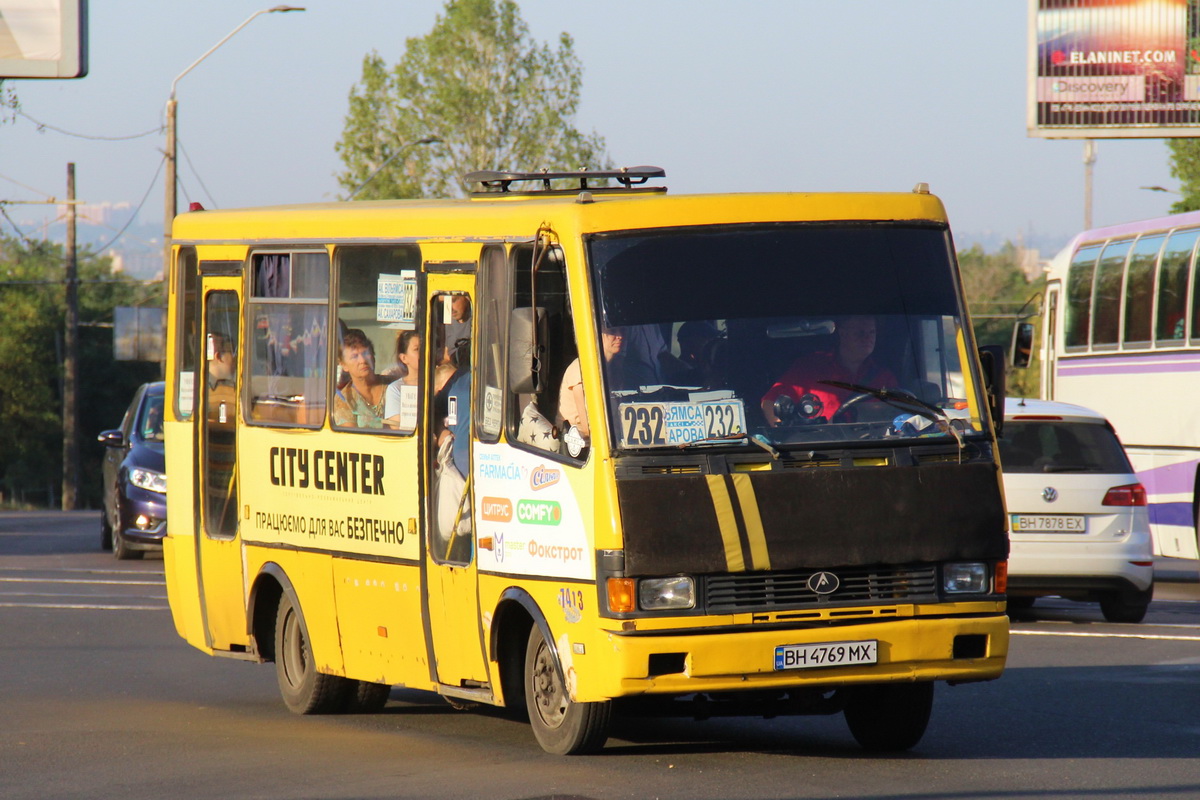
(492, 306)
(1079, 297)
(288, 312)
(541, 314)
(1172, 287)
(378, 350)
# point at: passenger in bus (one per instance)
(850, 361)
(694, 338)
(222, 368)
(456, 333)
(644, 356)
(571, 406)
(457, 422)
(359, 404)
(459, 327)
(408, 360)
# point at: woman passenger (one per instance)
(408, 359)
(359, 404)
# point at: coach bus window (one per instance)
(1172, 287)
(1139, 291)
(1079, 297)
(186, 344)
(377, 301)
(1106, 299)
(493, 314)
(289, 333)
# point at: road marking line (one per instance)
(79, 580)
(1109, 635)
(85, 607)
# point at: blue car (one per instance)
(134, 517)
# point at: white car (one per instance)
(1078, 522)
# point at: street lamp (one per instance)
(403, 148)
(170, 208)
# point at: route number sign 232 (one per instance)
(678, 424)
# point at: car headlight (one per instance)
(148, 479)
(970, 577)
(656, 594)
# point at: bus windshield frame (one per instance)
(729, 335)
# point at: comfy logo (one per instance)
(496, 509)
(543, 476)
(539, 512)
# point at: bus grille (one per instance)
(761, 591)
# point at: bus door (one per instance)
(218, 546)
(451, 573)
(1050, 340)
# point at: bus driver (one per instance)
(851, 361)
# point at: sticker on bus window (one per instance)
(680, 424)
(396, 299)
(493, 400)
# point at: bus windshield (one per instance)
(782, 334)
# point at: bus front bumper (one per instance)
(956, 649)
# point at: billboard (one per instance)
(1114, 69)
(43, 38)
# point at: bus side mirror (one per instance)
(991, 358)
(1021, 350)
(527, 350)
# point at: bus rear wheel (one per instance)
(304, 689)
(889, 717)
(562, 726)
(365, 697)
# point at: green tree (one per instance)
(1185, 165)
(8, 103)
(32, 317)
(478, 83)
(997, 291)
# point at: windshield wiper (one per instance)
(898, 398)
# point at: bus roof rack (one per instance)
(631, 179)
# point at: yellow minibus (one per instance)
(573, 445)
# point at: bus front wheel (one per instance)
(561, 725)
(304, 689)
(889, 717)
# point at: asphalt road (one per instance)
(100, 699)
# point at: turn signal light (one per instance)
(1132, 495)
(622, 595)
(1001, 586)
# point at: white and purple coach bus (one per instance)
(1121, 334)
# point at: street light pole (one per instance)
(402, 149)
(171, 198)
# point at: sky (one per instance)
(769, 95)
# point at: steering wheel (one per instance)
(853, 401)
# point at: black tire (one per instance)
(304, 690)
(365, 697)
(889, 717)
(120, 548)
(1121, 606)
(105, 530)
(562, 726)
(1020, 603)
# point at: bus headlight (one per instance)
(657, 594)
(149, 480)
(966, 578)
